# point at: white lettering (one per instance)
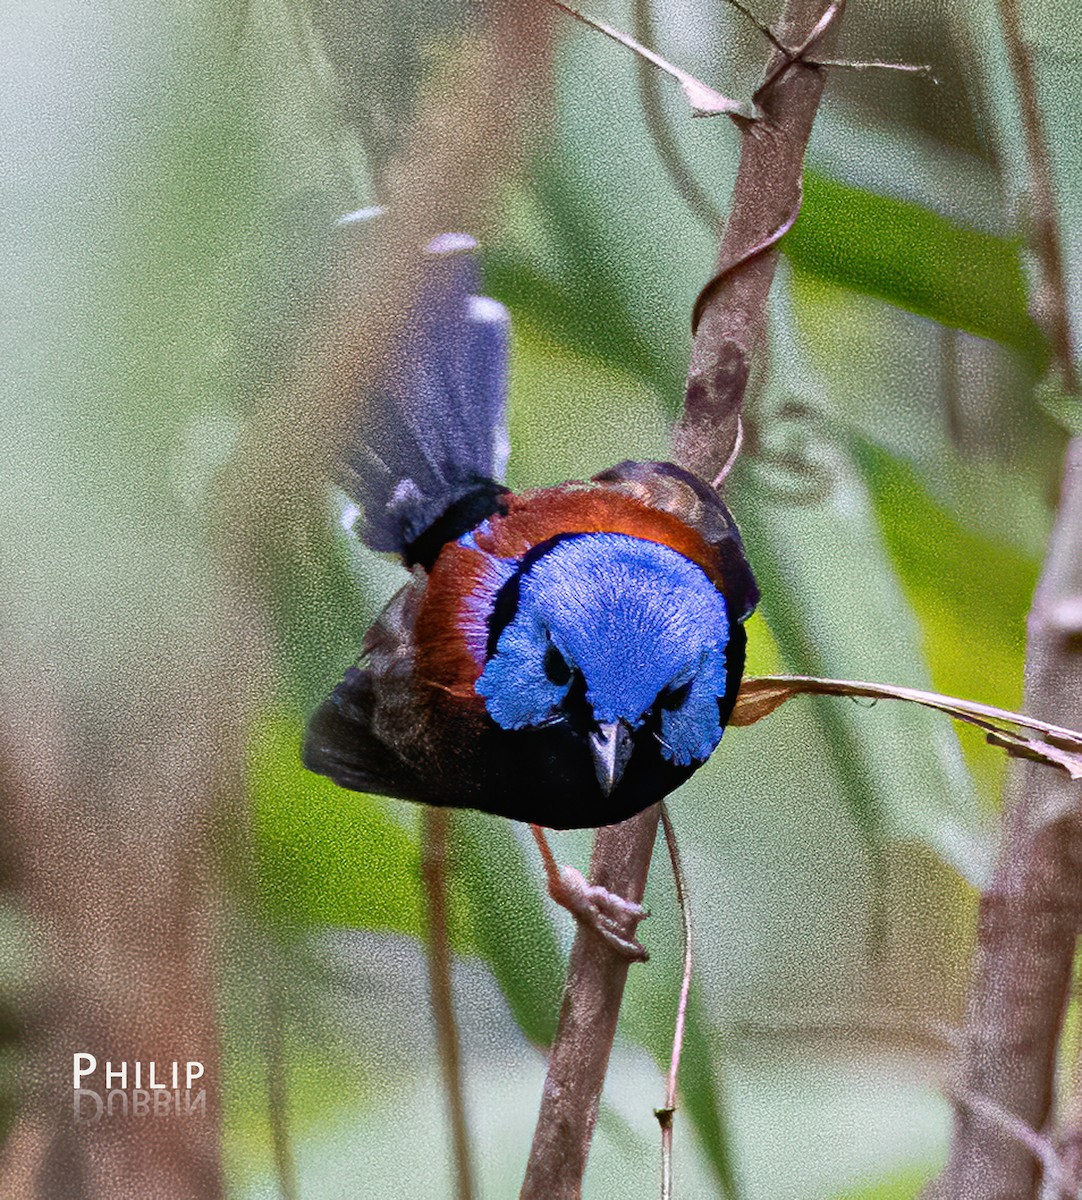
(77, 1071)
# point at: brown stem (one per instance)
(1031, 913)
(591, 1006)
(767, 184)
(434, 870)
(107, 799)
(730, 320)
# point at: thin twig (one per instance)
(798, 54)
(665, 1114)
(972, 711)
(713, 284)
(873, 64)
(705, 101)
(1036, 1144)
(434, 870)
(759, 24)
(662, 135)
(793, 54)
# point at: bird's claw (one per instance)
(606, 913)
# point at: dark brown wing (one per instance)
(342, 744)
(665, 486)
(366, 734)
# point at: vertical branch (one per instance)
(594, 990)
(731, 312)
(1031, 913)
(434, 870)
(732, 316)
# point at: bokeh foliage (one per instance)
(894, 496)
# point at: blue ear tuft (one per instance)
(514, 683)
(691, 732)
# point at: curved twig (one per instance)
(710, 288)
(665, 1114)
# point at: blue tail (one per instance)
(431, 439)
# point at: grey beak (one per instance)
(611, 747)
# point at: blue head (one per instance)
(630, 628)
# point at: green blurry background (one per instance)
(171, 178)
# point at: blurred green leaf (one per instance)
(592, 413)
(904, 1185)
(566, 284)
(702, 1094)
(1060, 406)
(508, 924)
(802, 503)
(327, 856)
(973, 618)
(916, 259)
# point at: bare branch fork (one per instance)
(730, 325)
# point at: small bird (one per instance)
(565, 656)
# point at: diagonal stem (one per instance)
(730, 319)
(767, 183)
(434, 870)
(1031, 914)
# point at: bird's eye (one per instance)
(673, 698)
(556, 669)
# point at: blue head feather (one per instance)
(642, 624)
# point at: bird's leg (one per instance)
(607, 914)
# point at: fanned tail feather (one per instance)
(433, 432)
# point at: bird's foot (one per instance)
(606, 913)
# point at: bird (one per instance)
(564, 656)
